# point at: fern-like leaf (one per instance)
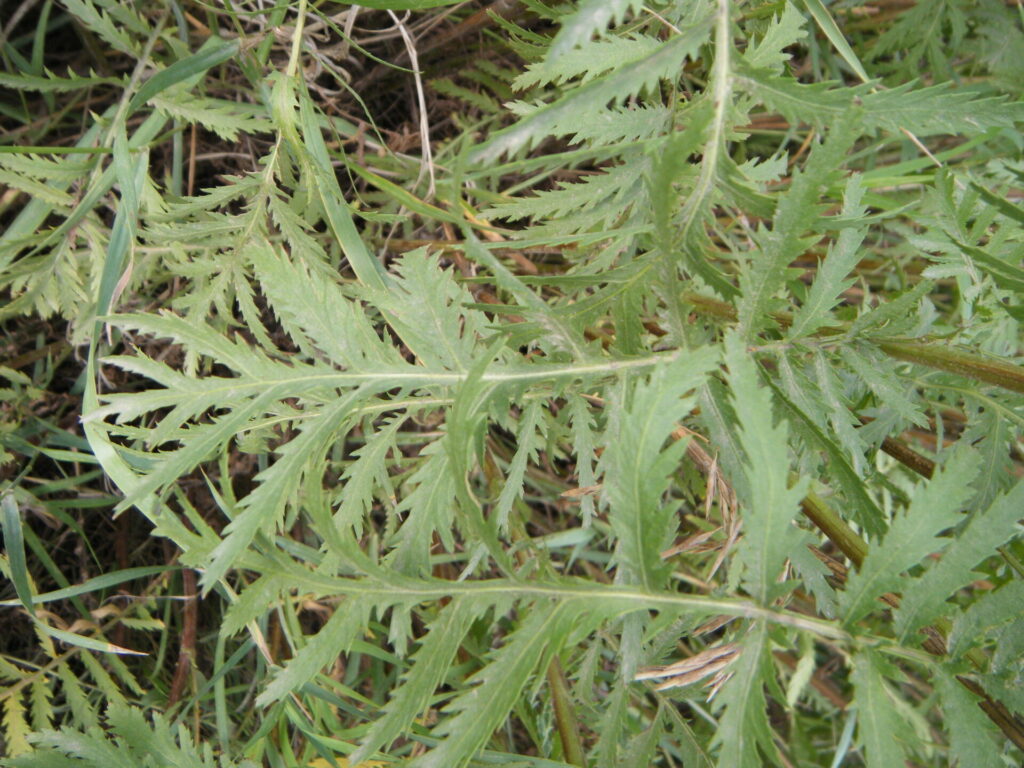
(637, 465)
(769, 504)
(924, 598)
(913, 535)
(558, 118)
(879, 725)
(592, 16)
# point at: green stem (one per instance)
(1000, 373)
(293, 59)
(969, 364)
(565, 716)
(835, 528)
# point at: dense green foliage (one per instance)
(642, 388)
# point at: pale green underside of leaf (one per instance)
(629, 79)
(796, 213)
(927, 111)
(474, 714)
(592, 17)
(336, 637)
(619, 182)
(831, 279)
(587, 62)
(784, 31)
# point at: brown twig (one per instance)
(187, 651)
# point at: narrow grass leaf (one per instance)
(14, 544)
(827, 24)
(213, 51)
(94, 584)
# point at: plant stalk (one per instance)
(999, 373)
(565, 715)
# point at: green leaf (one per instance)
(220, 116)
(336, 637)
(587, 62)
(130, 172)
(973, 737)
(988, 613)
(934, 507)
(990, 433)
(924, 599)
(938, 109)
(366, 267)
(94, 584)
(89, 643)
(214, 51)
(36, 189)
(618, 182)
(430, 507)
(881, 730)
(796, 213)
(51, 83)
(637, 465)
(15, 726)
(828, 25)
(530, 440)
(315, 311)
(14, 545)
(769, 505)
(782, 32)
(425, 307)
(592, 16)
(103, 25)
(1004, 273)
(263, 509)
(923, 111)
(878, 376)
(475, 713)
(819, 104)
(863, 508)
(628, 79)
(743, 730)
(831, 279)
(364, 475)
(403, 5)
(429, 665)
(1004, 206)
